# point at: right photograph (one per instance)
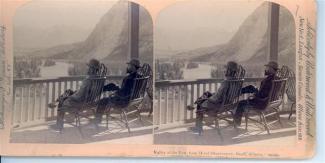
(225, 74)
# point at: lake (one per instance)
(58, 70)
(202, 72)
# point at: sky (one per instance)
(49, 13)
(183, 26)
(193, 24)
(47, 23)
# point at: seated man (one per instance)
(212, 102)
(260, 98)
(122, 94)
(73, 100)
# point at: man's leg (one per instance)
(60, 119)
(102, 106)
(67, 93)
(239, 112)
(198, 121)
(200, 100)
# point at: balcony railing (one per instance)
(172, 97)
(32, 96)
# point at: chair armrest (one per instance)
(251, 97)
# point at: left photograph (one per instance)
(82, 73)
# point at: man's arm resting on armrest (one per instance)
(249, 89)
(110, 87)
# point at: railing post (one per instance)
(40, 102)
(174, 104)
(20, 115)
(53, 98)
(77, 85)
(47, 93)
(71, 84)
(192, 100)
(14, 99)
(159, 107)
(198, 93)
(185, 102)
(34, 102)
(179, 103)
(166, 112)
(65, 85)
(28, 100)
(59, 88)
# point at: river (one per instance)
(202, 72)
(58, 70)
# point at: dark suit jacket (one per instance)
(122, 93)
(261, 97)
(127, 85)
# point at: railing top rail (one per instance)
(166, 83)
(59, 79)
(163, 83)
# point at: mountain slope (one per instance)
(249, 44)
(109, 39)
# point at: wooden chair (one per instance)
(230, 100)
(91, 99)
(146, 70)
(133, 106)
(275, 99)
(291, 91)
(240, 73)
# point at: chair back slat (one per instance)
(233, 92)
(146, 70)
(139, 88)
(283, 72)
(240, 73)
(277, 90)
(234, 85)
(140, 85)
(96, 86)
(291, 86)
(95, 90)
(231, 96)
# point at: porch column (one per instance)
(273, 31)
(134, 30)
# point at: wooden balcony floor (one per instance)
(255, 135)
(141, 133)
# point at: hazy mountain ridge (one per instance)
(109, 39)
(44, 39)
(248, 45)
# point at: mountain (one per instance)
(249, 44)
(45, 38)
(174, 40)
(109, 39)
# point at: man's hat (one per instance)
(273, 65)
(232, 66)
(94, 63)
(135, 63)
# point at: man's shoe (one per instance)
(190, 107)
(237, 121)
(95, 121)
(56, 128)
(196, 130)
(51, 105)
